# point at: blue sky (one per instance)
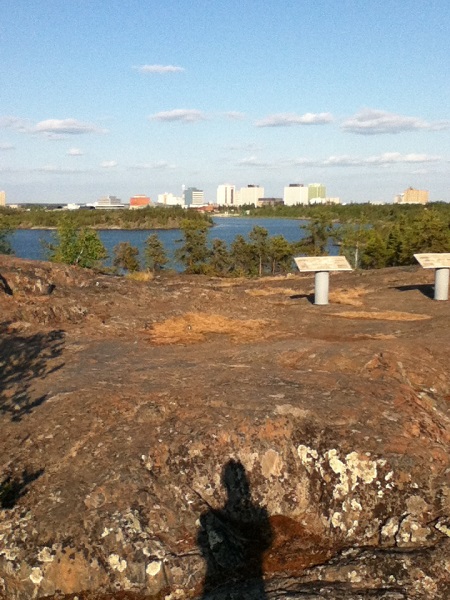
(141, 97)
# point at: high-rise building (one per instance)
(2, 198)
(249, 195)
(226, 195)
(295, 193)
(193, 197)
(412, 196)
(316, 190)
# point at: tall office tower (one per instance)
(295, 193)
(316, 190)
(226, 195)
(412, 196)
(193, 197)
(250, 195)
(2, 198)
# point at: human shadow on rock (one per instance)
(233, 539)
(425, 289)
(13, 488)
(23, 359)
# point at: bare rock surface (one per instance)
(192, 437)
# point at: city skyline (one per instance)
(102, 98)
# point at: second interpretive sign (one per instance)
(435, 260)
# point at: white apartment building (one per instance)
(295, 193)
(169, 199)
(249, 195)
(226, 195)
(2, 198)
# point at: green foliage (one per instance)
(154, 253)
(242, 258)
(193, 252)
(220, 262)
(5, 234)
(280, 255)
(153, 217)
(73, 246)
(125, 257)
(318, 231)
(259, 237)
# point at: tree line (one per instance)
(368, 239)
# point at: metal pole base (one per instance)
(322, 283)
(441, 279)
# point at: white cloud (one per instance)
(6, 146)
(253, 161)
(15, 123)
(74, 152)
(371, 122)
(387, 158)
(291, 119)
(183, 115)
(235, 115)
(158, 69)
(66, 127)
(53, 170)
(159, 165)
(108, 164)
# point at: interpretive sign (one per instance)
(434, 261)
(321, 266)
(322, 263)
(440, 261)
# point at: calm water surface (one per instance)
(30, 243)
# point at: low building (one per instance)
(139, 201)
(269, 202)
(169, 199)
(109, 202)
(412, 196)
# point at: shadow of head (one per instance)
(13, 488)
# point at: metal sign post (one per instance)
(441, 263)
(321, 266)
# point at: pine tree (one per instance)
(154, 253)
(193, 252)
(220, 261)
(125, 257)
(259, 241)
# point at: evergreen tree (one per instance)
(193, 253)
(259, 237)
(154, 254)
(220, 261)
(125, 257)
(318, 231)
(280, 254)
(242, 258)
(5, 233)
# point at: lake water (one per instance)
(29, 243)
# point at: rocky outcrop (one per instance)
(308, 459)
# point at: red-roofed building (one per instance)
(139, 201)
